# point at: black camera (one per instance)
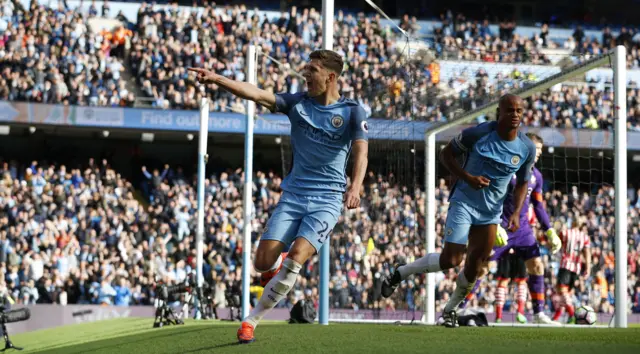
(11, 316)
(165, 315)
(205, 295)
(166, 291)
(234, 302)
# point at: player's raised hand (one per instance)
(204, 76)
(352, 199)
(478, 182)
(514, 222)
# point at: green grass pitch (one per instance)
(135, 335)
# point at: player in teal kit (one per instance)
(494, 151)
(325, 128)
(521, 254)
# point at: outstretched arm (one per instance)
(241, 89)
(146, 173)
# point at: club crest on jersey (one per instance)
(533, 179)
(365, 126)
(337, 121)
(515, 160)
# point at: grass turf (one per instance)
(134, 335)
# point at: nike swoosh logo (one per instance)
(276, 292)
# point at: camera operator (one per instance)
(219, 297)
(226, 294)
(169, 295)
(232, 294)
(5, 297)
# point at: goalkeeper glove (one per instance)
(554, 240)
(502, 237)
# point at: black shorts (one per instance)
(567, 277)
(510, 266)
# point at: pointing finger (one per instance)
(197, 70)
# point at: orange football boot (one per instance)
(266, 276)
(245, 333)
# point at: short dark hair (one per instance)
(535, 138)
(329, 59)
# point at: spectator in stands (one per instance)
(94, 243)
(51, 55)
(165, 40)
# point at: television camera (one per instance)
(189, 295)
(11, 316)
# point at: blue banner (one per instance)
(268, 124)
(150, 120)
(180, 120)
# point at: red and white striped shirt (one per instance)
(532, 215)
(573, 242)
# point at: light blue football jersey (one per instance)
(321, 138)
(498, 160)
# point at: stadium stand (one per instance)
(51, 55)
(86, 66)
(78, 235)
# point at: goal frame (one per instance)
(617, 57)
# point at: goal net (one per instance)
(436, 88)
(570, 104)
(576, 113)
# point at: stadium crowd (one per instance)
(85, 235)
(52, 55)
(376, 74)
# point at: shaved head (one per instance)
(510, 111)
(510, 99)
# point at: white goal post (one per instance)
(618, 58)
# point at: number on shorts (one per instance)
(324, 233)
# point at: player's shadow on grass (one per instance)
(220, 346)
(164, 340)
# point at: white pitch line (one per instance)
(506, 325)
(534, 325)
(386, 322)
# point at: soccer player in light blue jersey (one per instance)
(521, 255)
(494, 152)
(325, 129)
